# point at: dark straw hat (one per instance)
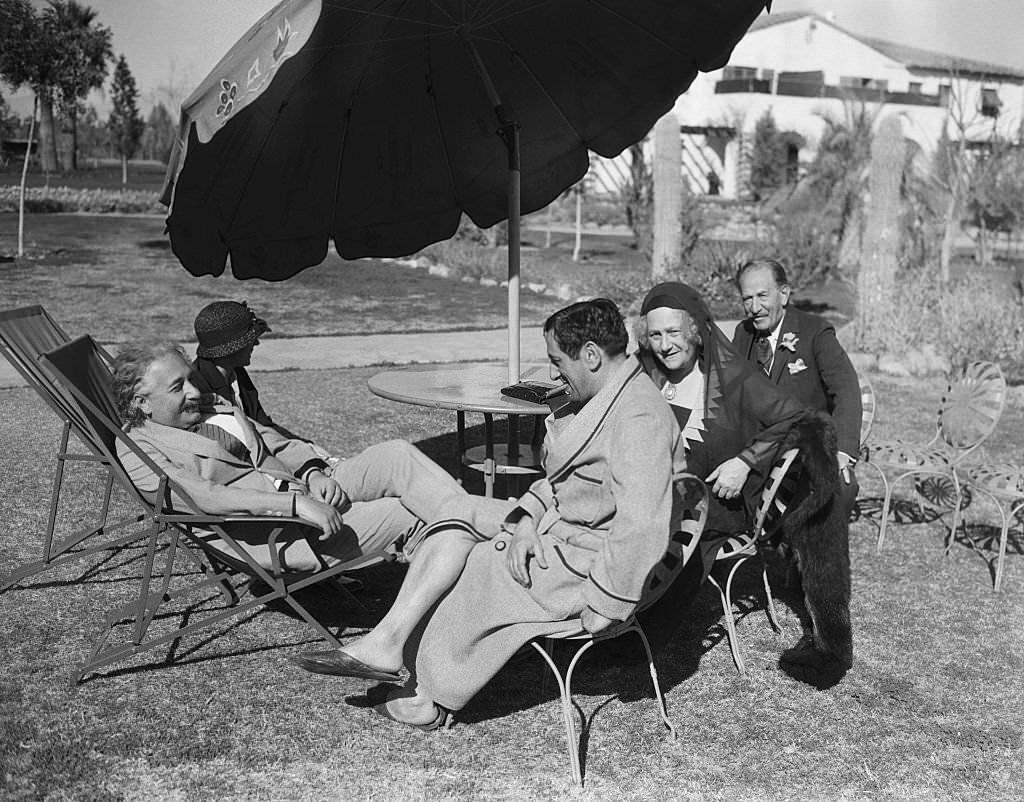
(225, 327)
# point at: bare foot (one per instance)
(366, 651)
(406, 707)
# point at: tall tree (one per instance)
(767, 158)
(23, 61)
(125, 123)
(158, 138)
(93, 135)
(81, 60)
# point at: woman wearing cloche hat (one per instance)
(227, 331)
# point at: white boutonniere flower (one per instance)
(796, 367)
(789, 341)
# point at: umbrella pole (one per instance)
(509, 132)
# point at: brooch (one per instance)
(789, 341)
(796, 367)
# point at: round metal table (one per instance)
(474, 387)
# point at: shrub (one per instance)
(979, 316)
(693, 223)
(803, 238)
(92, 201)
(981, 319)
(916, 296)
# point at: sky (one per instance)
(173, 44)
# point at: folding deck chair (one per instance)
(25, 334)
(80, 369)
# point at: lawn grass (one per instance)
(931, 710)
(109, 275)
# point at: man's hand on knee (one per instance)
(323, 488)
(524, 544)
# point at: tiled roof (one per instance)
(912, 57)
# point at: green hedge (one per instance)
(93, 201)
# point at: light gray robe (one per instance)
(604, 513)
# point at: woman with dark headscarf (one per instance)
(731, 417)
(733, 421)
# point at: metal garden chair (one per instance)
(1003, 484)
(87, 379)
(743, 546)
(692, 498)
(25, 334)
(969, 410)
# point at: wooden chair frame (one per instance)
(692, 495)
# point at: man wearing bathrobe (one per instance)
(577, 547)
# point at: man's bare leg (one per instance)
(435, 567)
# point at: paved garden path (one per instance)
(321, 353)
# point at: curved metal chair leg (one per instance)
(662, 707)
(956, 513)
(1006, 515)
(567, 717)
(884, 517)
(1003, 535)
(773, 616)
(890, 487)
(574, 742)
(730, 621)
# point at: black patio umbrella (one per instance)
(376, 124)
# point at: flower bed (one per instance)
(92, 201)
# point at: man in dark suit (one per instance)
(800, 353)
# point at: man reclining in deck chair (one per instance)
(230, 464)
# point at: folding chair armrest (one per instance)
(209, 519)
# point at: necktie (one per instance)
(231, 444)
(763, 353)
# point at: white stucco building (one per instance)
(802, 67)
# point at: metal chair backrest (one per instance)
(971, 406)
(867, 405)
(690, 509)
(777, 495)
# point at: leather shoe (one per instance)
(342, 664)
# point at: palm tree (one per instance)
(82, 53)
